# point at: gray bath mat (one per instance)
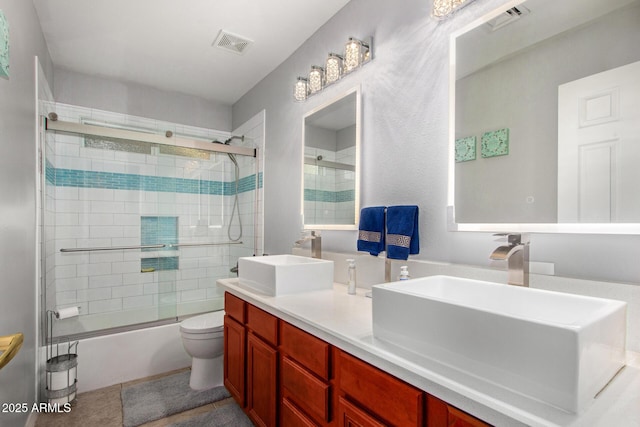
(160, 398)
(227, 416)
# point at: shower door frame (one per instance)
(52, 124)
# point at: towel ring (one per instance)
(9, 346)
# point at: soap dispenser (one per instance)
(351, 284)
(404, 273)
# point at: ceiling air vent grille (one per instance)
(232, 42)
(508, 17)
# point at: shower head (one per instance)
(228, 141)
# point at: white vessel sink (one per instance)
(558, 348)
(285, 274)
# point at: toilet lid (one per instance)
(203, 323)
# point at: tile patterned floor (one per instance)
(103, 408)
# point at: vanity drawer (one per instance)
(234, 307)
(262, 324)
(309, 351)
(292, 416)
(390, 398)
(303, 388)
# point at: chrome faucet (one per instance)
(516, 253)
(316, 243)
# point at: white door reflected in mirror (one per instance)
(598, 147)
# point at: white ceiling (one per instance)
(167, 44)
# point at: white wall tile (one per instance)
(104, 306)
(98, 269)
(72, 284)
(138, 301)
(93, 294)
(126, 291)
(110, 280)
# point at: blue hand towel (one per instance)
(402, 232)
(371, 230)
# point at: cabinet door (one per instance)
(262, 362)
(350, 415)
(441, 414)
(234, 351)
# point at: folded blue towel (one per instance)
(402, 232)
(371, 230)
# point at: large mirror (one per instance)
(545, 120)
(331, 164)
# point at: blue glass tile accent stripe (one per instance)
(162, 263)
(123, 181)
(157, 230)
(50, 173)
(311, 195)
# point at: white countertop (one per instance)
(345, 321)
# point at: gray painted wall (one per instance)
(404, 150)
(18, 201)
(138, 100)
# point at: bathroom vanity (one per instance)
(285, 376)
(311, 359)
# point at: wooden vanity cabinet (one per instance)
(284, 376)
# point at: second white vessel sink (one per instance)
(285, 274)
(558, 348)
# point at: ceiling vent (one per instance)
(508, 17)
(232, 42)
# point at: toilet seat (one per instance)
(204, 323)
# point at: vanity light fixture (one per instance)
(356, 54)
(301, 89)
(316, 79)
(353, 54)
(444, 8)
(333, 68)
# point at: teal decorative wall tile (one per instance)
(148, 265)
(4, 46)
(311, 195)
(466, 149)
(157, 230)
(123, 181)
(495, 143)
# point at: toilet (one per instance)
(202, 338)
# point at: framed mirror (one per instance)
(545, 119)
(331, 164)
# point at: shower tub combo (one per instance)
(139, 220)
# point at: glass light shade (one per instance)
(333, 68)
(352, 55)
(442, 8)
(301, 89)
(316, 79)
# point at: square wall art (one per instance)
(465, 149)
(495, 143)
(4, 46)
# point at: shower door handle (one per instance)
(113, 248)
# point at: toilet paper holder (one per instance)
(61, 368)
